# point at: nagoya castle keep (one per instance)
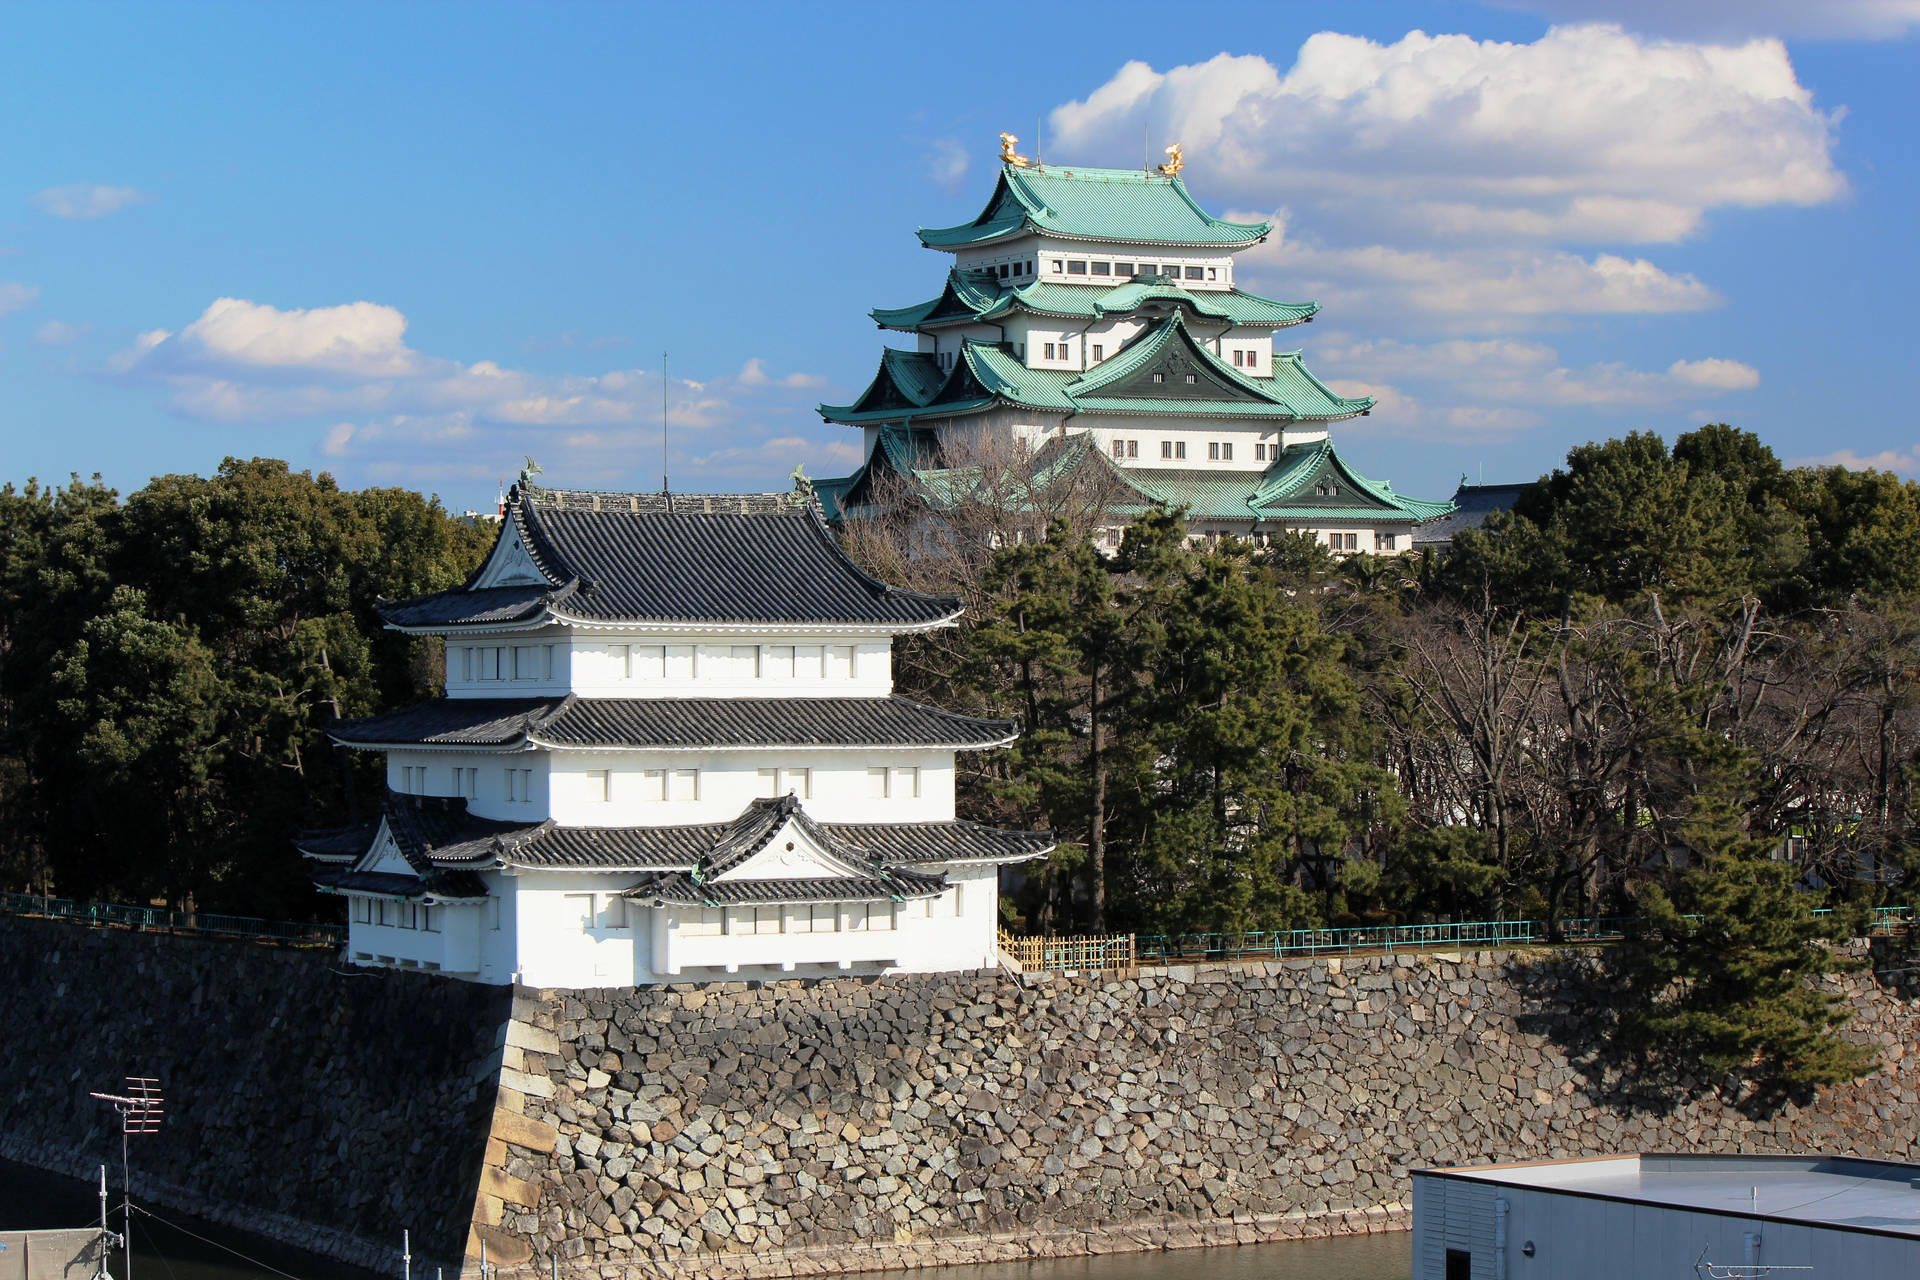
(1091, 318)
(669, 750)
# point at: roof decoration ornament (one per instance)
(528, 472)
(1175, 162)
(802, 486)
(1008, 155)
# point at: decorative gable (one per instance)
(1179, 370)
(509, 565)
(1326, 484)
(791, 854)
(384, 856)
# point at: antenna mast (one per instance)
(140, 1112)
(663, 424)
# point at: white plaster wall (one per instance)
(450, 947)
(713, 670)
(730, 781)
(490, 793)
(1143, 259)
(544, 654)
(554, 947)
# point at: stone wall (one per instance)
(808, 1127)
(329, 1110)
(799, 1128)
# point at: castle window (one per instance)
(779, 662)
(1102, 268)
(1119, 448)
(681, 663)
(1058, 266)
(614, 914)
(877, 781)
(746, 662)
(1099, 352)
(1226, 451)
(1166, 448)
(1191, 379)
(1003, 271)
(1213, 451)
(1123, 268)
(519, 785)
(647, 661)
(1383, 541)
(1196, 273)
(1213, 273)
(906, 784)
(1076, 267)
(683, 784)
(1049, 350)
(807, 659)
(700, 922)
(797, 783)
(816, 917)
(1159, 377)
(1259, 452)
(466, 782)
(841, 662)
(1133, 448)
(599, 786)
(653, 784)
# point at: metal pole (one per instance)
(126, 1194)
(406, 1253)
(105, 1235)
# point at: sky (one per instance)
(415, 244)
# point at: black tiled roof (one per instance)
(674, 722)
(454, 722)
(773, 722)
(336, 844)
(679, 888)
(391, 884)
(1473, 503)
(601, 848)
(903, 844)
(695, 558)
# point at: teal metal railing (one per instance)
(1157, 949)
(162, 920)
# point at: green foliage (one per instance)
(1729, 960)
(167, 668)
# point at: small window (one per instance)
(1213, 450)
(1170, 270)
(1049, 351)
(599, 786)
(746, 662)
(797, 783)
(1237, 353)
(1226, 451)
(1103, 268)
(1133, 448)
(684, 784)
(1383, 542)
(807, 662)
(1003, 271)
(1159, 377)
(1099, 353)
(1459, 1264)
(765, 782)
(1196, 273)
(877, 784)
(1259, 452)
(1123, 268)
(1119, 448)
(618, 659)
(906, 784)
(680, 662)
(1076, 267)
(779, 662)
(1166, 448)
(1058, 266)
(1191, 379)
(613, 915)
(653, 784)
(1179, 448)
(647, 661)
(1213, 273)
(842, 662)
(700, 922)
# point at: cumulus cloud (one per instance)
(1589, 134)
(1500, 386)
(88, 200)
(1723, 19)
(391, 413)
(17, 297)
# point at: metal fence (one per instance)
(162, 920)
(1186, 948)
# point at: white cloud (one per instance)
(1589, 133)
(58, 333)
(1721, 19)
(88, 200)
(1904, 461)
(1476, 284)
(1715, 374)
(948, 162)
(17, 297)
(390, 413)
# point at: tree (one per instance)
(1729, 956)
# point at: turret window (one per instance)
(519, 785)
(1123, 268)
(1099, 352)
(1076, 267)
(1196, 273)
(1173, 448)
(1102, 268)
(1058, 266)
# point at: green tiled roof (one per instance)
(974, 297)
(1131, 205)
(910, 384)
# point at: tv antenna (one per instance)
(1705, 1268)
(140, 1112)
(664, 395)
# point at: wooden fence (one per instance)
(1079, 952)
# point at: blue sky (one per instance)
(410, 244)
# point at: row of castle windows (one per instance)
(397, 915)
(1171, 270)
(735, 662)
(1217, 450)
(883, 783)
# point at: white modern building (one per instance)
(1785, 1217)
(669, 751)
(1093, 318)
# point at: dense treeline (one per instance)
(168, 664)
(1676, 684)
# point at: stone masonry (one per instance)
(795, 1128)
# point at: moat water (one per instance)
(181, 1248)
